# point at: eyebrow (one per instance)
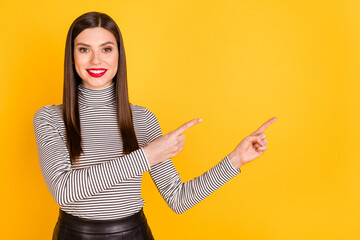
(105, 43)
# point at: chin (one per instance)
(97, 84)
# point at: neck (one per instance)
(96, 97)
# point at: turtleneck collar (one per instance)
(98, 97)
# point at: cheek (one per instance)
(78, 65)
(76, 62)
(114, 62)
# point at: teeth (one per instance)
(96, 71)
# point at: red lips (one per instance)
(96, 72)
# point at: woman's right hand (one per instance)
(168, 145)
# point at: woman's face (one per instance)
(96, 57)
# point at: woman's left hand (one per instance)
(250, 147)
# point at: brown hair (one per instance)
(72, 80)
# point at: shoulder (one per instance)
(47, 113)
(143, 110)
(135, 107)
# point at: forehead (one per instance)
(94, 36)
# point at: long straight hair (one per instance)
(72, 80)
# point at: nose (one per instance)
(95, 58)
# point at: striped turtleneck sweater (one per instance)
(106, 184)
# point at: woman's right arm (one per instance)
(67, 184)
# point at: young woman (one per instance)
(94, 148)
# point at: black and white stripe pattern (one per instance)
(106, 184)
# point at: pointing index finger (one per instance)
(264, 126)
(186, 126)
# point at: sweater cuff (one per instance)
(231, 169)
(147, 160)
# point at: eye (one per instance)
(82, 49)
(108, 49)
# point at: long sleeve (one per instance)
(181, 196)
(67, 184)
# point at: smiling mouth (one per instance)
(96, 72)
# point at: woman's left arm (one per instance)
(180, 196)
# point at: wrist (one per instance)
(234, 160)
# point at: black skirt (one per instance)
(134, 227)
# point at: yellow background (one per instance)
(233, 63)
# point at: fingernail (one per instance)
(200, 119)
